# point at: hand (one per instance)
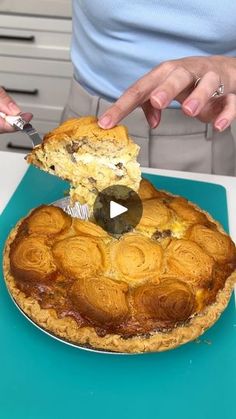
(9, 107)
(174, 80)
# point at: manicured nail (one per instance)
(191, 106)
(154, 119)
(105, 121)
(222, 124)
(160, 99)
(13, 107)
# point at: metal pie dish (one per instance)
(67, 342)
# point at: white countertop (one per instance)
(12, 167)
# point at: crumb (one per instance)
(206, 341)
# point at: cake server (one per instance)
(75, 211)
(20, 124)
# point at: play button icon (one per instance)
(117, 209)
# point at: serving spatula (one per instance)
(20, 124)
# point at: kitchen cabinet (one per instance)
(35, 67)
(60, 8)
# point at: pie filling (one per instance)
(90, 158)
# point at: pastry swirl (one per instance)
(185, 260)
(87, 228)
(136, 258)
(216, 244)
(147, 191)
(48, 220)
(156, 215)
(100, 300)
(31, 259)
(80, 256)
(170, 301)
(187, 212)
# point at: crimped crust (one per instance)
(68, 330)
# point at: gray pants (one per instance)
(178, 143)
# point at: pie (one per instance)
(152, 289)
(90, 158)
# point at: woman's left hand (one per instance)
(176, 80)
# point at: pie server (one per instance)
(21, 125)
(77, 211)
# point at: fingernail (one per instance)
(105, 121)
(153, 122)
(222, 124)
(191, 106)
(13, 107)
(155, 118)
(160, 98)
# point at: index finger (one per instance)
(133, 97)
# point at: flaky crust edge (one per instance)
(67, 329)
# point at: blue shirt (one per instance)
(115, 42)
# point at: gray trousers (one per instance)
(178, 143)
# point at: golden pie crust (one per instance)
(152, 289)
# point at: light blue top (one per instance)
(117, 41)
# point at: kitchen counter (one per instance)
(13, 167)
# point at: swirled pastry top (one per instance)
(152, 280)
(89, 157)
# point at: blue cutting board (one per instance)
(41, 378)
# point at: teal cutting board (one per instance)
(41, 378)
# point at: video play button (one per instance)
(117, 209)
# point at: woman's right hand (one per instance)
(9, 107)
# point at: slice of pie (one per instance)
(89, 157)
(152, 289)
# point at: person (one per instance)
(131, 59)
(167, 70)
